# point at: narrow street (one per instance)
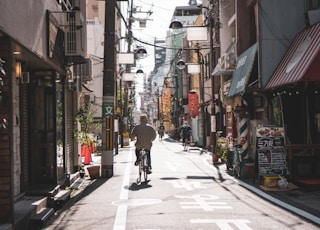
(185, 191)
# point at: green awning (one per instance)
(242, 72)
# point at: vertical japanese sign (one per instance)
(271, 151)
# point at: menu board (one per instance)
(271, 151)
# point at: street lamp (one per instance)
(194, 33)
(181, 64)
(139, 72)
(141, 53)
(176, 27)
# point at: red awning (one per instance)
(301, 61)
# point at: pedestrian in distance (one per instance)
(161, 131)
(185, 132)
(144, 134)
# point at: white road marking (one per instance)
(189, 186)
(204, 202)
(225, 224)
(121, 216)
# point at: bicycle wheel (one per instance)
(140, 168)
(145, 168)
(140, 172)
(185, 145)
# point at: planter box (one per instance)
(94, 172)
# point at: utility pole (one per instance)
(109, 85)
(128, 70)
(201, 84)
(213, 17)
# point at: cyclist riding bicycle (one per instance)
(185, 132)
(144, 134)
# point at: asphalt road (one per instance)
(185, 191)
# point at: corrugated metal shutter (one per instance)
(24, 134)
(69, 132)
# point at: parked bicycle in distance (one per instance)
(143, 166)
(237, 161)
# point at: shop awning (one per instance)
(301, 61)
(243, 71)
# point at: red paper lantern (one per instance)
(193, 104)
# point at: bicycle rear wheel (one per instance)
(145, 168)
(145, 174)
(140, 173)
(185, 145)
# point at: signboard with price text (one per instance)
(271, 151)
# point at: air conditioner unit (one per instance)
(25, 78)
(74, 34)
(86, 70)
(230, 61)
(222, 62)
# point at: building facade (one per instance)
(43, 64)
(268, 78)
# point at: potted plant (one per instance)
(227, 156)
(220, 147)
(86, 139)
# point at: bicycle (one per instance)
(143, 166)
(161, 134)
(185, 144)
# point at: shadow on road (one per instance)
(136, 187)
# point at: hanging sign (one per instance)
(193, 104)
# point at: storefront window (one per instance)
(314, 4)
(276, 108)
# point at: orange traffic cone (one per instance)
(87, 155)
